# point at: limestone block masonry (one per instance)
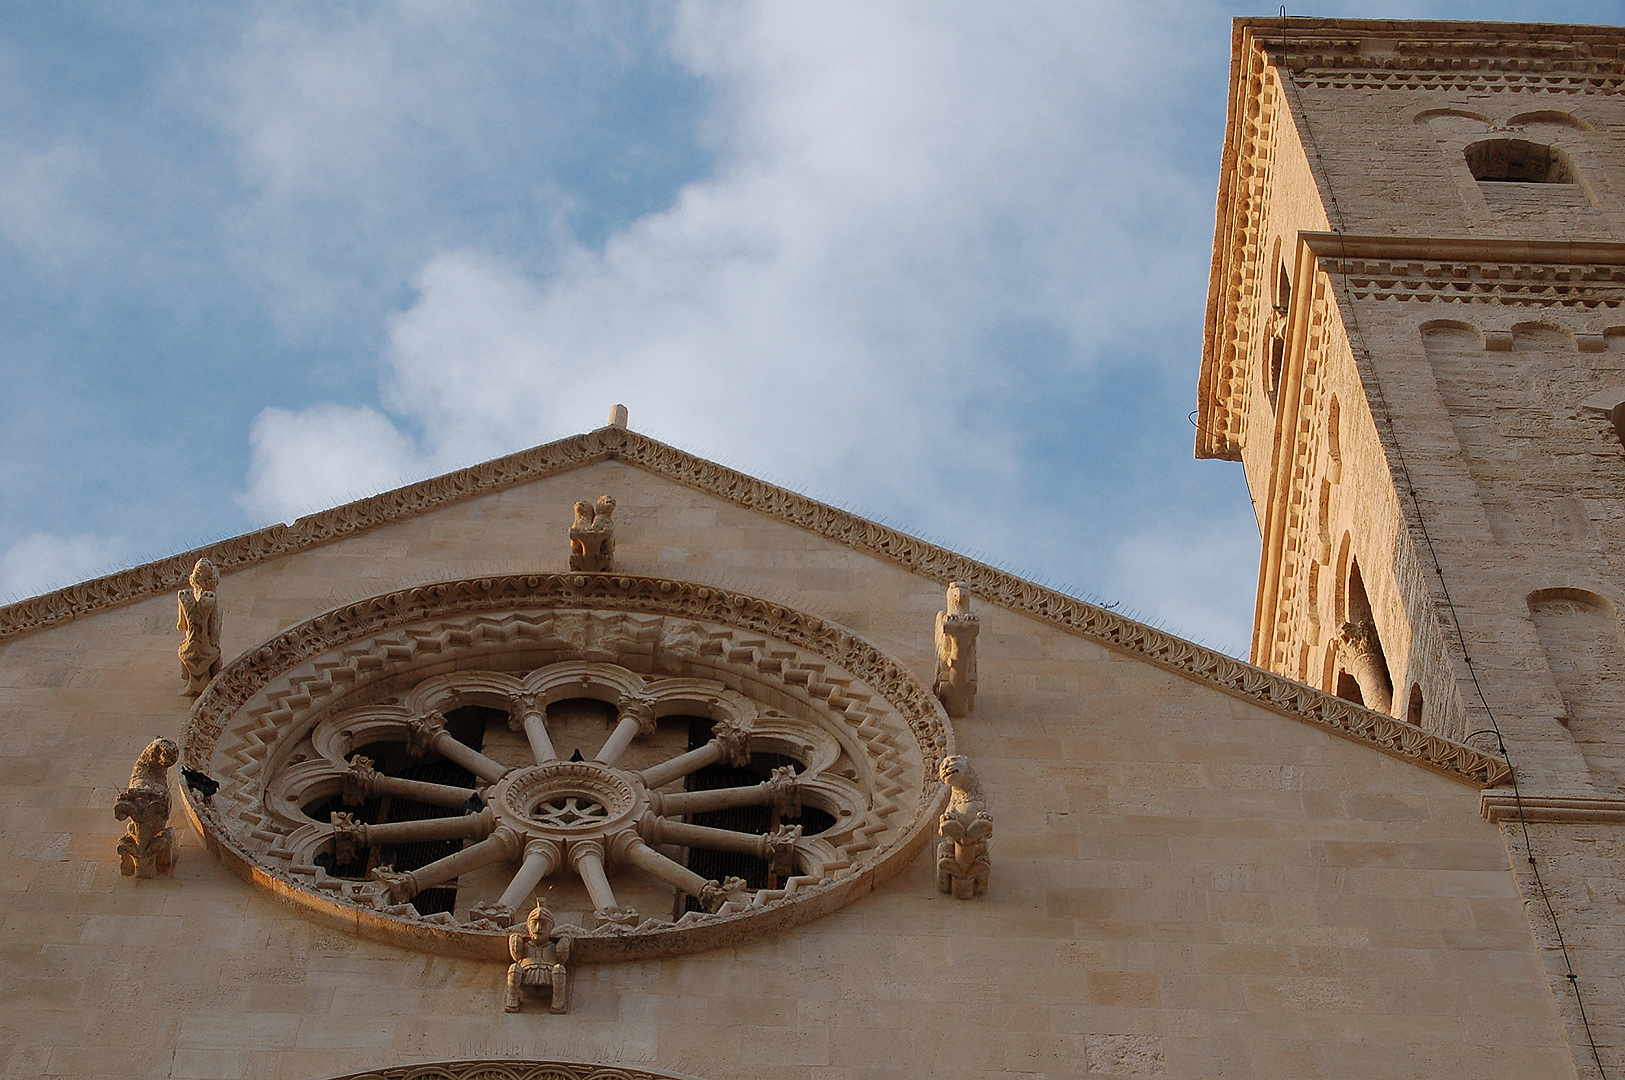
(1415, 346)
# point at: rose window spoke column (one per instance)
(629, 849)
(777, 848)
(730, 742)
(588, 858)
(782, 792)
(363, 781)
(542, 857)
(429, 733)
(502, 844)
(350, 835)
(637, 718)
(533, 718)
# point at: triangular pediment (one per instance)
(988, 583)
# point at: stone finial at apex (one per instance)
(617, 416)
(964, 861)
(199, 622)
(956, 632)
(592, 536)
(148, 847)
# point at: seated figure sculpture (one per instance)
(592, 537)
(199, 621)
(966, 827)
(539, 956)
(148, 847)
(956, 653)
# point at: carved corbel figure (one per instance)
(592, 537)
(1361, 651)
(148, 847)
(966, 827)
(199, 621)
(539, 956)
(956, 653)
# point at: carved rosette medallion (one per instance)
(564, 800)
(670, 766)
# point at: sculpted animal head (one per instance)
(583, 515)
(205, 578)
(958, 598)
(955, 771)
(152, 767)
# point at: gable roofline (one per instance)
(988, 583)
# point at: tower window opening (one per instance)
(1519, 161)
(1272, 379)
(1413, 708)
(1283, 290)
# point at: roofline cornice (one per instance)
(1234, 677)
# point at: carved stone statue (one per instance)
(956, 653)
(592, 537)
(966, 828)
(1361, 651)
(539, 956)
(199, 620)
(148, 847)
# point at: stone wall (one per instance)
(1185, 883)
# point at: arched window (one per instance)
(1413, 710)
(1519, 161)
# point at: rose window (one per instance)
(663, 764)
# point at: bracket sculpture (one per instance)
(148, 847)
(539, 956)
(592, 537)
(966, 827)
(199, 622)
(956, 653)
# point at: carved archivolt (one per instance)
(300, 733)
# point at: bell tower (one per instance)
(1415, 347)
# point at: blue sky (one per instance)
(943, 264)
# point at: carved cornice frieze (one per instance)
(1229, 336)
(926, 559)
(508, 1069)
(1574, 274)
(1379, 55)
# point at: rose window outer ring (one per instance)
(286, 729)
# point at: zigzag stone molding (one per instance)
(507, 1069)
(928, 560)
(256, 718)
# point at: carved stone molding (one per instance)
(281, 727)
(939, 564)
(1502, 804)
(508, 1069)
(1518, 273)
(1474, 57)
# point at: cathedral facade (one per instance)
(605, 761)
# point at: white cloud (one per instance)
(897, 186)
(321, 457)
(42, 561)
(899, 192)
(40, 198)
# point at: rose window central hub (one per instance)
(568, 800)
